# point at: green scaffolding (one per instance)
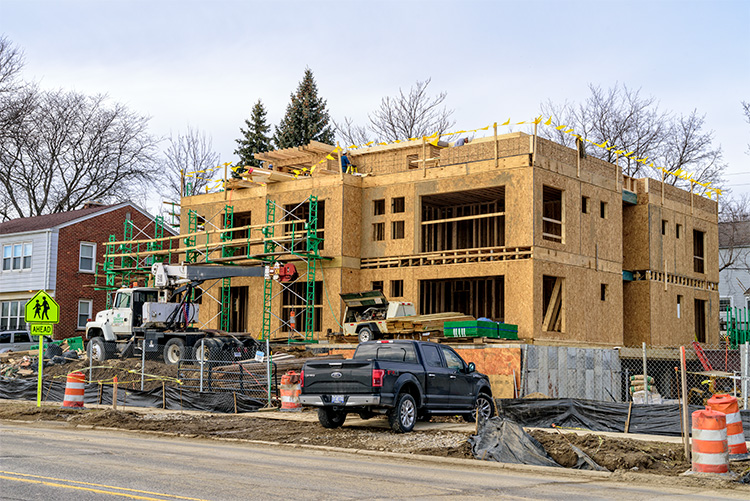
(226, 283)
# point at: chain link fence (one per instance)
(643, 375)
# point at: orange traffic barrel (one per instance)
(710, 450)
(74, 388)
(735, 434)
(289, 391)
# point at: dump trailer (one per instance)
(163, 316)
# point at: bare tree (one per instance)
(734, 232)
(746, 111)
(64, 148)
(633, 123)
(404, 116)
(190, 163)
(11, 63)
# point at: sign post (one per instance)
(41, 312)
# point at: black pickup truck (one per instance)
(406, 380)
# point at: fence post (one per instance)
(143, 363)
(201, 362)
(268, 370)
(91, 362)
(745, 350)
(645, 375)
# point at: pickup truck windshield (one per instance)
(390, 352)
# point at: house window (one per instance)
(87, 258)
(603, 292)
(698, 252)
(377, 285)
(679, 306)
(663, 226)
(397, 230)
(677, 230)
(603, 210)
(12, 315)
(84, 313)
(585, 205)
(378, 231)
(552, 216)
(397, 205)
(17, 257)
(725, 305)
(378, 207)
(397, 288)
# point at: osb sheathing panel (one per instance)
(350, 213)
(669, 330)
(578, 227)
(498, 363)
(587, 319)
(636, 313)
(636, 236)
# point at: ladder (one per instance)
(702, 356)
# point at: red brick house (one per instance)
(58, 253)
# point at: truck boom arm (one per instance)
(167, 275)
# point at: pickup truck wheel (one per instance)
(97, 350)
(403, 417)
(173, 351)
(484, 405)
(330, 418)
(366, 335)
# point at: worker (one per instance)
(461, 141)
(345, 163)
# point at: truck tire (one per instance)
(209, 351)
(403, 417)
(174, 351)
(97, 350)
(330, 418)
(365, 334)
(485, 406)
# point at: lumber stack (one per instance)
(423, 323)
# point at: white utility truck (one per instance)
(163, 316)
(366, 314)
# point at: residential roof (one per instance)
(37, 223)
(24, 224)
(734, 234)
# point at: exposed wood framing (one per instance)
(553, 317)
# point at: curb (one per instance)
(494, 465)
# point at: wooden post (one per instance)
(496, 154)
(662, 188)
(645, 376)
(163, 396)
(691, 196)
(225, 181)
(235, 401)
(114, 394)
(627, 421)
(424, 157)
(341, 171)
(182, 183)
(685, 421)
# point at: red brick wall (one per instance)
(73, 285)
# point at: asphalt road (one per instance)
(48, 462)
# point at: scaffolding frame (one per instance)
(296, 241)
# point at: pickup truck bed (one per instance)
(400, 378)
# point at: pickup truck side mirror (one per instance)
(471, 367)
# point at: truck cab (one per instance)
(366, 314)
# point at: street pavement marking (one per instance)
(98, 491)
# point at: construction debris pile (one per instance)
(20, 364)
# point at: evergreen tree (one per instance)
(254, 138)
(306, 117)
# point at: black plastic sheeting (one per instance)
(173, 398)
(503, 440)
(593, 415)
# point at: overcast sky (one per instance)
(204, 63)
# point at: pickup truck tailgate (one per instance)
(338, 376)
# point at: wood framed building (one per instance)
(515, 228)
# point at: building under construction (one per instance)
(514, 228)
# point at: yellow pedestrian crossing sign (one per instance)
(42, 309)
